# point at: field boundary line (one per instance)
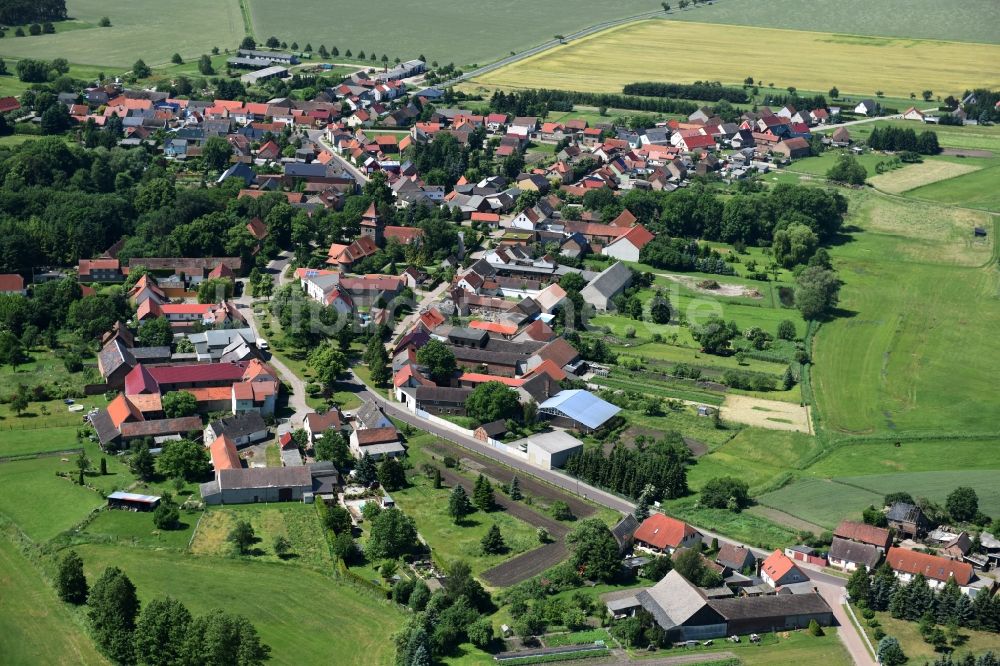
(247, 18)
(38, 454)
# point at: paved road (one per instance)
(319, 136)
(297, 397)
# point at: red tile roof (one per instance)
(638, 236)
(478, 378)
(777, 565)
(931, 566)
(10, 282)
(864, 533)
(377, 435)
(494, 327)
(663, 531)
(224, 455)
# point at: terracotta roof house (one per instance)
(664, 534)
(879, 537)
(316, 425)
(377, 443)
(778, 569)
(224, 455)
(793, 148)
(937, 570)
(628, 246)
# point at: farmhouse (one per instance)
(258, 484)
(242, 429)
(318, 425)
(779, 570)
(628, 246)
(906, 564)
(663, 534)
(849, 555)
(793, 148)
(907, 519)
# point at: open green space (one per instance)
(935, 486)
(41, 503)
(982, 137)
(759, 457)
(821, 501)
(137, 528)
(296, 522)
(35, 626)
(920, 651)
(451, 542)
(26, 441)
(888, 456)
(744, 527)
(974, 190)
(906, 353)
(305, 616)
(139, 29)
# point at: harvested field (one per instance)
(786, 519)
(966, 152)
(687, 52)
(771, 414)
(916, 175)
(719, 288)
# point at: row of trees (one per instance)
(904, 139)
(710, 91)
(21, 12)
(161, 633)
(661, 469)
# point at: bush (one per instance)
(561, 511)
(814, 628)
(868, 613)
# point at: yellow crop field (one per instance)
(684, 52)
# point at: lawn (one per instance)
(907, 355)
(913, 176)
(823, 60)
(744, 527)
(919, 651)
(35, 627)
(41, 503)
(296, 522)
(451, 542)
(305, 616)
(129, 527)
(27, 441)
(139, 29)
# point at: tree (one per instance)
(657, 568)
(19, 401)
(481, 633)
(156, 332)
(365, 471)
(216, 153)
(205, 65)
(215, 290)
(82, 462)
(113, 608)
(595, 551)
(438, 359)
(890, 653)
(834, 92)
(726, 492)
(794, 245)
(142, 463)
(11, 350)
(161, 631)
(177, 59)
(482, 494)
(333, 446)
(848, 171)
(817, 292)
(282, 546)
(71, 583)
(105, 22)
(242, 536)
(328, 362)
(659, 308)
(561, 511)
(859, 585)
(248, 43)
(185, 459)
(141, 70)
(391, 475)
(492, 542)
(962, 504)
(715, 335)
(166, 516)
(179, 403)
(392, 535)
(221, 639)
(786, 330)
(272, 42)
(459, 505)
(515, 489)
(641, 512)
(492, 401)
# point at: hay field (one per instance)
(917, 175)
(770, 414)
(663, 50)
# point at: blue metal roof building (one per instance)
(579, 409)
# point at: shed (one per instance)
(578, 409)
(132, 501)
(552, 449)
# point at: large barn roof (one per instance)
(581, 406)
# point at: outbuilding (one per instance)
(132, 501)
(552, 449)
